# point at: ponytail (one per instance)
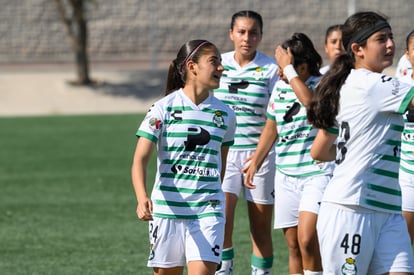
(174, 79)
(324, 105)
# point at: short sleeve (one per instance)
(151, 126)
(392, 95)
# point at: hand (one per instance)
(249, 170)
(144, 210)
(283, 58)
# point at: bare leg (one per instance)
(169, 271)
(201, 268)
(260, 216)
(231, 201)
(308, 241)
(295, 259)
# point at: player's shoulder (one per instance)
(167, 100)
(227, 58)
(364, 76)
(407, 79)
(366, 80)
(261, 57)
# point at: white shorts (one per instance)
(175, 242)
(297, 194)
(264, 178)
(360, 239)
(407, 191)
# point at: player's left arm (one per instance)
(323, 147)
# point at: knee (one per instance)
(293, 247)
(308, 243)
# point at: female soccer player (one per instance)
(359, 110)
(333, 45)
(192, 131)
(404, 67)
(245, 86)
(407, 148)
(300, 181)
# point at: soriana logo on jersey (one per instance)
(195, 170)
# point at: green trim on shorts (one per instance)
(262, 263)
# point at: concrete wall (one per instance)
(145, 30)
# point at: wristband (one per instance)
(290, 72)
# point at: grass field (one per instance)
(66, 201)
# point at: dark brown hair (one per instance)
(331, 29)
(304, 52)
(324, 106)
(248, 14)
(177, 72)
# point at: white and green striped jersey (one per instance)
(295, 134)
(247, 90)
(404, 67)
(189, 138)
(407, 137)
(370, 124)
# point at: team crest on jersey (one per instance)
(218, 119)
(155, 123)
(349, 267)
(258, 73)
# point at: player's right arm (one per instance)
(142, 156)
(267, 140)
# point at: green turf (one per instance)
(66, 201)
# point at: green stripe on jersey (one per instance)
(192, 217)
(197, 150)
(188, 177)
(241, 92)
(383, 205)
(385, 173)
(187, 190)
(406, 102)
(383, 189)
(182, 204)
(409, 171)
(238, 103)
(305, 151)
(147, 136)
(193, 122)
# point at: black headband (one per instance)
(364, 33)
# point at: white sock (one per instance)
(308, 272)
(259, 271)
(226, 268)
